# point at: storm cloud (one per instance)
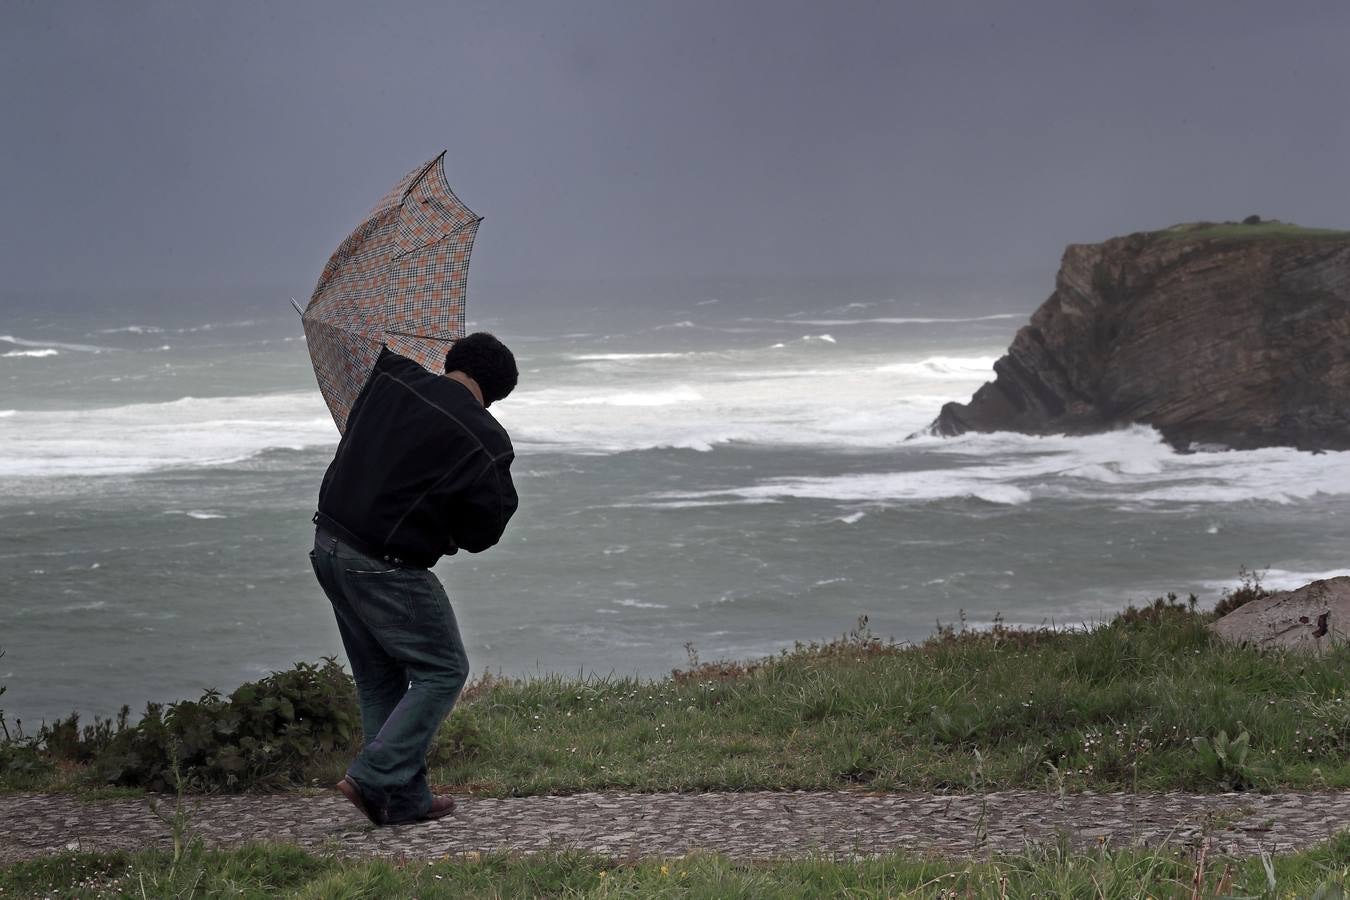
(155, 145)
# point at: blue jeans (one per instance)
(409, 664)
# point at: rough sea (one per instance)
(732, 472)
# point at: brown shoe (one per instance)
(352, 791)
(440, 808)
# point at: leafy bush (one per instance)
(1227, 761)
(1249, 588)
(65, 740)
(22, 762)
(21, 758)
(1162, 611)
(268, 733)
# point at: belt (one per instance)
(334, 529)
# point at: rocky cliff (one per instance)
(1215, 334)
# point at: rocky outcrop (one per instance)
(1231, 334)
(1311, 618)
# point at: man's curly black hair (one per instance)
(487, 361)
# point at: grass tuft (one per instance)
(1056, 871)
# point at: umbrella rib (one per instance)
(423, 174)
(421, 337)
(445, 237)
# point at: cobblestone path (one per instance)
(745, 825)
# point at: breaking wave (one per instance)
(945, 367)
(901, 320)
(50, 345)
(628, 357)
(1133, 467)
(189, 432)
(133, 329)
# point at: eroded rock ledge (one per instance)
(1213, 334)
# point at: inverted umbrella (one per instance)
(399, 281)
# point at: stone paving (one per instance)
(743, 825)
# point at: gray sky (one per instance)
(159, 145)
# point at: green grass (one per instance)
(1140, 704)
(281, 871)
(1236, 231)
(1118, 707)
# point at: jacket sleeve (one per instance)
(480, 512)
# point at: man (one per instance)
(422, 470)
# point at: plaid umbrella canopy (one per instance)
(398, 280)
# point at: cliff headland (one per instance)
(1233, 334)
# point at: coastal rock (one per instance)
(1236, 335)
(1310, 618)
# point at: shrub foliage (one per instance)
(1249, 588)
(265, 734)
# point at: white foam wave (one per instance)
(133, 329)
(213, 326)
(663, 503)
(189, 432)
(944, 367)
(83, 607)
(6, 413)
(78, 348)
(1131, 468)
(753, 396)
(639, 604)
(902, 320)
(895, 486)
(672, 397)
(45, 351)
(626, 357)
(1280, 579)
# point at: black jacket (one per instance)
(422, 469)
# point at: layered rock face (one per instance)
(1211, 337)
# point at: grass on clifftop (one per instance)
(1151, 701)
(281, 871)
(1242, 231)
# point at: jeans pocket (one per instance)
(382, 599)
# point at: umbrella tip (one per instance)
(298, 310)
